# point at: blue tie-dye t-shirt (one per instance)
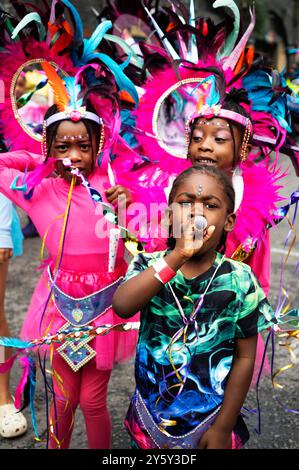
(182, 378)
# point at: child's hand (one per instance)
(191, 241)
(5, 254)
(215, 438)
(119, 191)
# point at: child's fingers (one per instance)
(208, 233)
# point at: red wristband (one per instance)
(163, 272)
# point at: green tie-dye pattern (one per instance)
(234, 307)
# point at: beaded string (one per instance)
(246, 138)
(182, 332)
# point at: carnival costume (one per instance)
(180, 57)
(85, 264)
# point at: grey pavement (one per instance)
(279, 428)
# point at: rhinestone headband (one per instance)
(74, 115)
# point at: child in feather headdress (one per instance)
(85, 264)
(12, 423)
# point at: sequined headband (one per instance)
(210, 112)
(215, 111)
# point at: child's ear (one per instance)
(230, 222)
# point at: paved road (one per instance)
(279, 428)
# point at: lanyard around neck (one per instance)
(199, 302)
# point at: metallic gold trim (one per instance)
(185, 81)
(12, 94)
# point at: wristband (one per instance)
(163, 272)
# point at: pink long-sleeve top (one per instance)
(84, 250)
(84, 263)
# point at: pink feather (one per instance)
(21, 385)
(43, 170)
(11, 59)
(260, 199)
(7, 365)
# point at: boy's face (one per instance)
(73, 142)
(212, 143)
(202, 195)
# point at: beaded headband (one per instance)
(210, 112)
(74, 115)
(44, 149)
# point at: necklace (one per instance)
(199, 302)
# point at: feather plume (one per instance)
(25, 21)
(78, 25)
(13, 343)
(24, 361)
(7, 365)
(34, 178)
(231, 40)
(61, 96)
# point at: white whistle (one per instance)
(200, 223)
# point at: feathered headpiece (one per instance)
(55, 35)
(188, 48)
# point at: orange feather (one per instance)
(62, 98)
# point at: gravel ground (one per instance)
(279, 428)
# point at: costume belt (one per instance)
(78, 313)
(161, 439)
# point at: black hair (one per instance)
(92, 127)
(221, 178)
(232, 102)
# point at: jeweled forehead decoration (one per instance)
(199, 190)
(72, 137)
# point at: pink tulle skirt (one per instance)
(44, 318)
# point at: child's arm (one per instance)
(12, 165)
(135, 293)
(219, 436)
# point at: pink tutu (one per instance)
(110, 348)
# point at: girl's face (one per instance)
(73, 142)
(201, 194)
(212, 143)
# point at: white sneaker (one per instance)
(12, 422)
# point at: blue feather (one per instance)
(92, 43)
(126, 63)
(14, 343)
(77, 20)
(259, 87)
(73, 90)
(32, 377)
(213, 98)
(123, 82)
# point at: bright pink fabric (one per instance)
(87, 388)
(259, 261)
(85, 257)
